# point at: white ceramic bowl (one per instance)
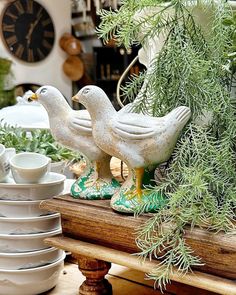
(29, 167)
(27, 260)
(25, 243)
(29, 225)
(30, 281)
(21, 209)
(51, 185)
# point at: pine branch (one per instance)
(132, 87)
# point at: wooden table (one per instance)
(97, 236)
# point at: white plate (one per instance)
(29, 225)
(25, 243)
(14, 261)
(30, 281)
(17, 209)
(51, 185)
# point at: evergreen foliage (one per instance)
(7, 96)
(191, 69)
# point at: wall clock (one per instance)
(27, 30)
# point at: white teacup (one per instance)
(29, 167)
(4, 163)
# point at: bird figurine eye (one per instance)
(43, 90)
(86, 90)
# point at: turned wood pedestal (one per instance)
(94, 270)
(97, 236)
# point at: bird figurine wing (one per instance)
(134, 126)
(80, 121)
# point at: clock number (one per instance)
(30, 55)
(19, 7)
(19, 50)
(11, 40)
(30, 6)
(48, 34)
(46, 22)
(8, 13)
(46, 44)
(8, 28)
(41, 55)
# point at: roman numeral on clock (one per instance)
(19, 51)
(48, 34)
(13, 16)
(19, 7)
(41, 55)
(46, 44)
(30, 6)
(11, 40)
(30, 55)
(8, 28)
(46, 22)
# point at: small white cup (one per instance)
(4, 163)
(29, 167)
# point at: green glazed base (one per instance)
(120, 201)
(89, 188)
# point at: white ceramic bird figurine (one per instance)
(136, 139)
(73, 130)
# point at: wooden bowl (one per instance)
(70, 44)
(73, 67)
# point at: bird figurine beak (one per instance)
(75, 98)
(33, 96)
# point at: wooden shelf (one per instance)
(196, 279)
(95, 222)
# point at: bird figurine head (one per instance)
(91, 96)
(50, 96)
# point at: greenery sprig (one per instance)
(38, 141)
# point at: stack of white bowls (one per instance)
(27, 265)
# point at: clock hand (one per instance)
(29, 34)
(31, 29)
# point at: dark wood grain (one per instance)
(94, 270)
(96, 222)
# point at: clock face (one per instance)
(27, 30)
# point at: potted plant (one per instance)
(39, 141)
(188, 67)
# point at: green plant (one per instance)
(39, 141)
(231, 51)
(190, 69)
(7, 96)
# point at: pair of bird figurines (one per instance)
(100, 132)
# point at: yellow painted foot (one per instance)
(98, 183)
(134, 194)
(137, 192)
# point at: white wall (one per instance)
(49, 71)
